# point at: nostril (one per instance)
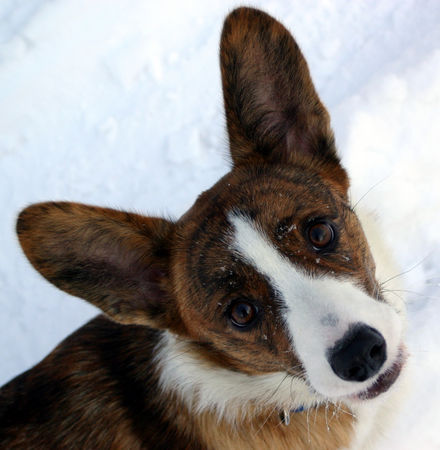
(376, 352)
(359, 355)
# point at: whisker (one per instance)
(326, 415)
(308, 426)
(407, 291)
(397, 295)
(369, 190)
(406, 271)
(316, 415)
(290, 388)
(275, 407)
(341, 409)
(335, 410)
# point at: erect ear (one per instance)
(273, 112)
(115, 260)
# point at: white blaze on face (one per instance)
(319, 311)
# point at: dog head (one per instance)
(268, 276)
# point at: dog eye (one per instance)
(321, 235)
(243, 314)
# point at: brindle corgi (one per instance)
(255, 321)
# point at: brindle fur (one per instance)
(99, 388)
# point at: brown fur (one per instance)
(99, 388)
(319, 429)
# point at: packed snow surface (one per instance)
(118, 103)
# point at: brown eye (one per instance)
(321, 235)
(243, 314)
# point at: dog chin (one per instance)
(384, 382)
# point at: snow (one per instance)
(119, 104)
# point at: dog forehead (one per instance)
(268, 195)
(280, 202)
(272, 198)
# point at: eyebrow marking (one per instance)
(256, 248)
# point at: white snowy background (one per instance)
(118, 103)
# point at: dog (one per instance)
(255, 321)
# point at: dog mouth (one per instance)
(385, 380)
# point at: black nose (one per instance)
(359, 354)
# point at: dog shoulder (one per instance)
(96, 389)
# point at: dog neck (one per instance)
(219, 402)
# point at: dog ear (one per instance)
(273, 112)
(115, 260)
